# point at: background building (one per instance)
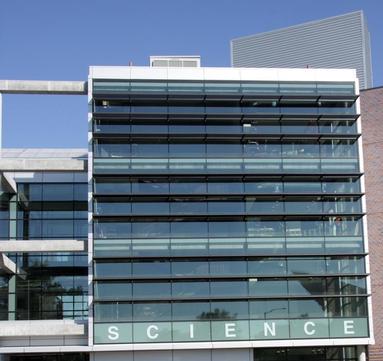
(337, 42)
(225, 219)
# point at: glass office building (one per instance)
(227, 210)
(224, 219)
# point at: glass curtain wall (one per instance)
(53, 285)
(219, 202)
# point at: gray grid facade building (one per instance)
(338, 42)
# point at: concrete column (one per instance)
(361, 353)
(12, 279)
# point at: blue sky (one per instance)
(58, 40)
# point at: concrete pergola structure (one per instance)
(12, 164)
(47, 87)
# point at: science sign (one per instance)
(246, 330)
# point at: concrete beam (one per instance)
(7, 183)
(25, 165)
(56, 245)
(43, 87)
(7, 265)
(41, 328)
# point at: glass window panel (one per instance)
(333, 88)
(345, 265)
(262, 149)
(339, 149)
(150, 229)
(341, 186)
(225, 187)
(230, 310)
(224, 150)
(260, 88)
(149, 187)
(227, 229)
(300, 150)
(113, 290)
(267, 287)
(150, 208)
(149, 150)
(190, 289)
(81, 260)
(304, 228)
(228, 288)
(81, 192)
(4, 229)
(151, 290)
(298, 88)
(115, 186)
(267, 266)
(113, 269)
(263, 187)
(188, 188)
(228, 267)
(221, 207)
(187, 129)
(338, 126)
(146, 129)
(152, 312)
(346, 285)
(299, 126)
(187, 150)
(268, 309)
(150, 86)
(302, 187)
(188, 207)
(230, 128)
(268, 126)
(80, 228)
(310, 308)
(259, 206)
(306, 266)
(31, 192)
(189, 267)
(154, 268)
(189, 229)
(115, 150)
(191, 311)
(222, 87)
(265, 229)
(58, 228)
(58, 192)
(112, 311)
(347, 307)
(307, 286)
(112, 229)
(341, 226)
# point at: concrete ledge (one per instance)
(7, 265)
(43, 87)
(41, 328)
(25, 165)
(54, 245)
